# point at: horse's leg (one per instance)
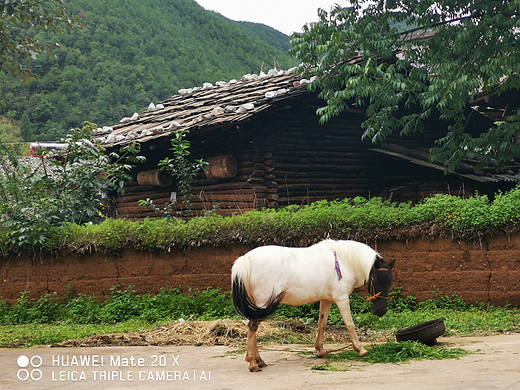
(344, 309)
(322, 322)
(252, 355)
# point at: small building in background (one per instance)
(266, 148)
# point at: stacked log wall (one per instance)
(243, 192)
(314, 161)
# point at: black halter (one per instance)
(371, 288)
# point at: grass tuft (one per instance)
(389, 352)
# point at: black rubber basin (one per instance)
(426, 332)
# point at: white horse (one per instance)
(327, 272)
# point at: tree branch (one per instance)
(425, 29)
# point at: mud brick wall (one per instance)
(488, 271)
(479, 272)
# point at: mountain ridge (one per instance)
(129, 54)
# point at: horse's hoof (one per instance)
(322, 354)
(261, 363)
(363, 352)
(255, 369)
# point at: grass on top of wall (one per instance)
(359, 218)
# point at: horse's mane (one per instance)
(356, 256)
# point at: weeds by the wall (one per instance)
(51, 319)
(171, 305)
(122, 305)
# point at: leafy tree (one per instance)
(183, 169)
(8, 131)
(16, 17)
(457, 50)
(69, 185)
(26, 130)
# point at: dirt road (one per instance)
(493, 364)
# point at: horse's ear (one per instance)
(391, 264)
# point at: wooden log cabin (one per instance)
(266, 148)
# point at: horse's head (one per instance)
(379, 283)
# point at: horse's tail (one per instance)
(241, 300)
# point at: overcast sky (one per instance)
(287, 16)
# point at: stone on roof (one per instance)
(218, 104)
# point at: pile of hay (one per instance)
(220, 332)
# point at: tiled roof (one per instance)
(38, 166)
(211, 105)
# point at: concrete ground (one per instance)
(493, 364)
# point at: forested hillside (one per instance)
(131, 53)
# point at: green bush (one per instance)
(505, 208)
(454, 302)
(67, 188)
(211, 304)
(82, 309)
(46, 309)
(121, 306)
